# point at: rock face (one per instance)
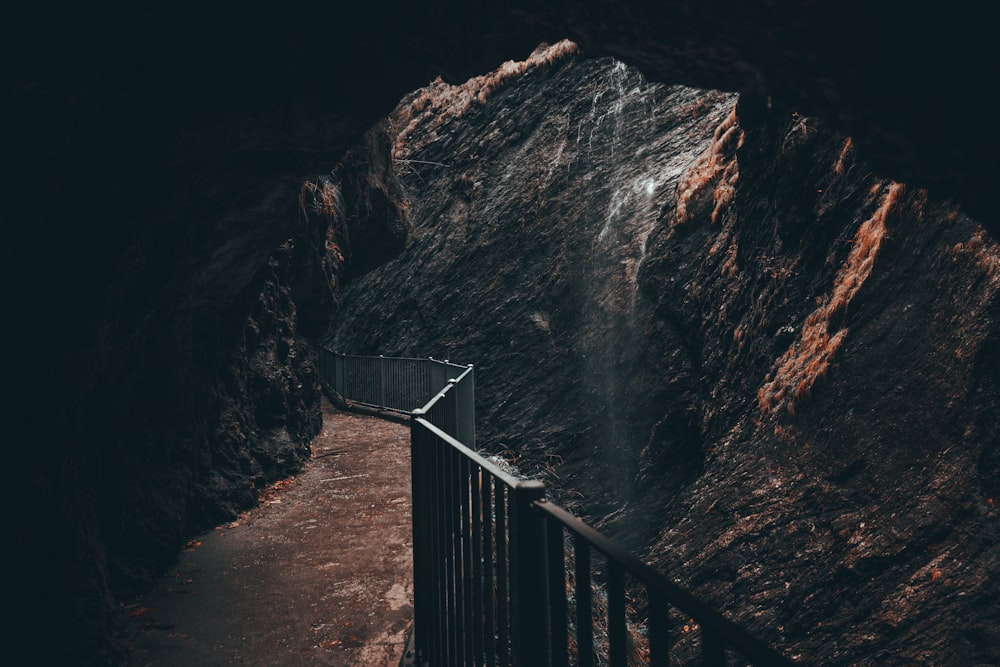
(152, 160)
(719, 335)
(209, 424)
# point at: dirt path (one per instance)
(319, 574)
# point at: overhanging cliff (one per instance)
(153, 156)
(719, 335)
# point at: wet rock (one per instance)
(152, 160)
(728, 342)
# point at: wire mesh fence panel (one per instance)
(407, 383)
(362, 381)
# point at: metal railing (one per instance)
(400, 385)
(496, 583)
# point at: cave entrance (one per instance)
(512, 217)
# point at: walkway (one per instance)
(319, 574)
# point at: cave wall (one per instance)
(153, 158)
(173, 431)
(844, 344)
(721, 336)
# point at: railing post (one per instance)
(466, 410)
(453, 502)
(381, 372)
(438, 377)
(528, 578)
(452, 410)
(425, 376)
(338, 373)
(423, 573)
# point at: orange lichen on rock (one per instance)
(725, 189)
(729, 267)
(716, 165)
(845, 150)
(986, 252)
(439, 102)
(540, 57)
(725, 241)
(807, 360)
(325, 200)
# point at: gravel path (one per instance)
(319, 574)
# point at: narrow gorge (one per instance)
(715, 333)
(728, 273)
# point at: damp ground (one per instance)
(319, 574)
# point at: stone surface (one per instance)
(719, 336)
(320, 573)
(153, 159)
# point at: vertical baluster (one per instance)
(432, 585)
(418, 484)
(584, 606)
(411, 381)
(452, 400)
(364, 381)
(459, 506)
(529, 621)
(713, 648)
(448, 560)
(559, 640)
(386, 382)
(359, 379)
(478, 527)
(455, 558)
(338, 372)
(467, 582)
(659, 639)
(422, 382)
(489, 594)
(616, 615)
(381, 380)
(369, 380)
(440, 552)
(361, 376)
(398, 398)
(346, 378)
(450, 548)
(390, 382)
(503, 589)
(349, 378)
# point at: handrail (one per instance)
(487, 466)
(399, 385)
(712, 623)
(492, 584)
